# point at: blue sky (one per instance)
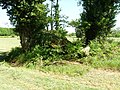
(4, 19)
(68, 7)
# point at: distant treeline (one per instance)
(7, 32)
(115, 33)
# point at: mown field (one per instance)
(6, 44)
(21, 78)
(14, 78)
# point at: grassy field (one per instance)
(6, 44)
(14, 78)
(116, 39)
(21, 78)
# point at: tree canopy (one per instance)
(29, 17)
(98, 17)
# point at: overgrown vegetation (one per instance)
(68, 60)
(104, 55)
(55, 50)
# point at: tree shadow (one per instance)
(2, 56)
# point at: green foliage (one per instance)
(104, 48)
(80, 31)
(60, 32)
(71, 34)
(50, 56)
(29, 18)
(73, 51)
(7, 32)
(104, 55)
(53, 50)
(108, 56)
(98, 21)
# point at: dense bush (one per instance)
(7, 32)
(46, 54)
(102, 54)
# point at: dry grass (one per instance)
(14, 78)
(6, 44)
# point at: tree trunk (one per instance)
(51, 15)
(57, 16)
(25, 41)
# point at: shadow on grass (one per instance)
(2, 56)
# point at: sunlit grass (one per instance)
(25, 79)
(6, 44)
(66, 69)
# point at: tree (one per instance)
(98, 17)
(51, 14)
(29, 17)
(79, 30)
(55, 16)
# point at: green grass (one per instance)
(66, 68)
(107, 64)
(112, 63)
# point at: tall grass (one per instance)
(106, 55)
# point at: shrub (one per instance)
(46, 54)
(73, 51)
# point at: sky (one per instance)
(68, 8)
